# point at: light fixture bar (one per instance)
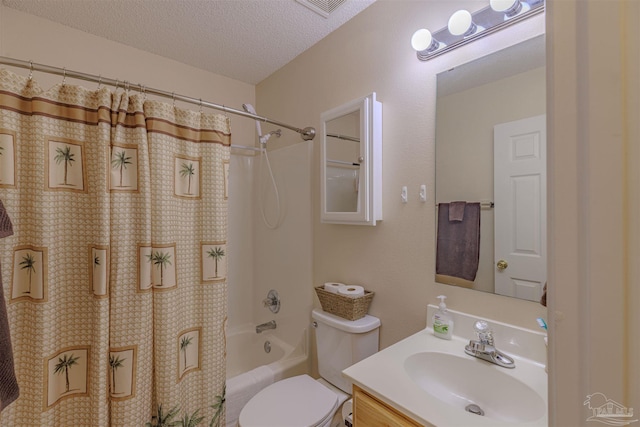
(488, 19)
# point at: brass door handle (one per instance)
(502, 265)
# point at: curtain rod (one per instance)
(307, 133)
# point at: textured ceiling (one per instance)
(246, 40)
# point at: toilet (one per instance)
(302, 401)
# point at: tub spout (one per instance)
(264, 326)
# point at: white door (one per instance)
(520, 196)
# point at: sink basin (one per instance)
(463, 382)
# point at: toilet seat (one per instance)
(298, 401)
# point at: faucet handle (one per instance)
(272, 301)
(485, 334)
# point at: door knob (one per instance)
(502, 264)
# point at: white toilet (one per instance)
(302, 401)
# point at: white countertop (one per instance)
(383, 375)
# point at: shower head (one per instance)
(249, 109)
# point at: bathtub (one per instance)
(257, 360)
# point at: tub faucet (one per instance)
(264, 326)
(483, 348)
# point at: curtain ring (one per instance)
(64, 76)
(224, 110)
(173, 97)
(99, 82)
(30, 70)
(117, 83)
(126, 86)
(143, 91)
(200, 105)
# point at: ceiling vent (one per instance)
(322, 7)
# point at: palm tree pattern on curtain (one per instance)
(217, 254)
(64, 364)
(66, 157)
(96, 171)
(120, 162)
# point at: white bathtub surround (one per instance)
(258, 258)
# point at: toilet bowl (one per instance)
(298, 401)
(302, 401)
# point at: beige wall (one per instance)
(395, 259)
(594, 205)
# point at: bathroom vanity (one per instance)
(372, 412)
(426, 381)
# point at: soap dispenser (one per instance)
(442, 321)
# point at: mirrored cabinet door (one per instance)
(351, 159)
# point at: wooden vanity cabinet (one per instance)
(371, 412)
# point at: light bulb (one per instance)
(508, 7)
(423, 40)
(461, 23)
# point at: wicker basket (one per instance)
(350, 308)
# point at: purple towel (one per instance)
(456, 211)
(9, 390)
(458, 243)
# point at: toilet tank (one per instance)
(341, 343)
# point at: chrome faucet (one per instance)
(264, 326)
(484, 348)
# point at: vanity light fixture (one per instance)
(508, 7)
(461, 24)
(423, 40)
(464, 27)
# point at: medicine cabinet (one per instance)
(351, 163)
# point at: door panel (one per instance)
(520, 207)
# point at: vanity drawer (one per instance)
(370, 412)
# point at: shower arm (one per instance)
(307, 133)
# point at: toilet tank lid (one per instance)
(359, 326)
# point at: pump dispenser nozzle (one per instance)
(442, 321)
(442, 305)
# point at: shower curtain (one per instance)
(115, 277)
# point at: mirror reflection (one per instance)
(491, 173)
(343, 165)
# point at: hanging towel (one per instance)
(9, 390)
(456, 211)
(458, 245)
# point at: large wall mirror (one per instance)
(351, 159)
(491, 172)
